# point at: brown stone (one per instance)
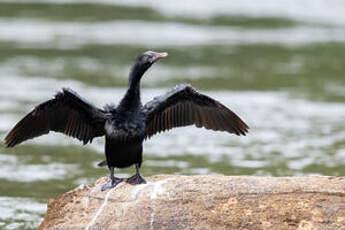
(203, 202)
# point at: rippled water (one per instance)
(278, 66)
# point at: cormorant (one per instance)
(127, 125)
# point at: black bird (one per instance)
(127, 125)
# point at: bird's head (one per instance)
(144, 61)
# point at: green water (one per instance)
(291, 92)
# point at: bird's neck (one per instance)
(132, 99)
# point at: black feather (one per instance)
(184, 105)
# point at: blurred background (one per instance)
(280, 65)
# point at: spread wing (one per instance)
(184, 106)
(66, 113)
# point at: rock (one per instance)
(203, 202)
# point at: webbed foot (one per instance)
(136, 179)
(111, 184)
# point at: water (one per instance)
(279, 66)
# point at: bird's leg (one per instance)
(137, 178)
(113, 181)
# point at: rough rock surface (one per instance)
(203, 202)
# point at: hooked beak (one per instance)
(160, 56)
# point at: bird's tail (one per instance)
(102, 164)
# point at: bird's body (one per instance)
(125, 133)
(128, 124)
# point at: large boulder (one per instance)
(203, 202)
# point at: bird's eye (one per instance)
(149, 60)
(146, 60)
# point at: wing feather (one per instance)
(66, 113)
(184, 106)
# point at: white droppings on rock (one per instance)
(158, 189)
(138, 189)
(86, 201)
(99, 211)
(155, 187)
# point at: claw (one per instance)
(111, 184)
(136, 179)
(113, 181)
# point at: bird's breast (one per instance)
(125, 130)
